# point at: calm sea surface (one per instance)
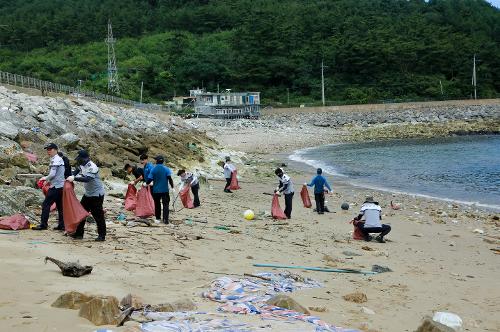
(463, 168)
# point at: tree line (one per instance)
(372, 50)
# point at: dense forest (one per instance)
(373, 50)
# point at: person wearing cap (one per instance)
(286, 187)
(54, 195)
(370, 216)
(87, 172)
(137, 172)
(229, 168)
(189, 179)
(319, 182)
(147, 166)
(161, 176)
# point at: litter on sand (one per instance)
(319, 269)
(249, 296)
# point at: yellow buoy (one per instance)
(248, 214)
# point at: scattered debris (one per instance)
(318, 309)
(367, 311)
(356, 297)
(380, 268)
(70, 269)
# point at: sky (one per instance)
(495, 3)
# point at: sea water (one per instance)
(465, 169)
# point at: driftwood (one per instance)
(124, 316)
(70, 269)
(256, 276)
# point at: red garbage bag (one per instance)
(131, 198)
(186, 199)
(304, 194)
(234, 181)
(44, 185)
(73, 211)
(145, 205)
(276, 211)
(15, 222)
(357, 234)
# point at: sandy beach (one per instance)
(438, 261)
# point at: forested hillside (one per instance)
(374, 49)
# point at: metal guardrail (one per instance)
(45, 86)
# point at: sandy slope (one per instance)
(438, 262)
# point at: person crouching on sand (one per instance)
(286, 187)
(370, 216)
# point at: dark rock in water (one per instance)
(380, 269)
(344, 206)
(70, 269)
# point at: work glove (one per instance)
(70, 178)
(151, 183)
(305, 183)
(144, 184)
(43, 178)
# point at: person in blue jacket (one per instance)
(319, 182)
(146, 165)
(160, 176)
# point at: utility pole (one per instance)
(323, 82)
(113, 86)
(217, 87)
(474, 80)
(142, 88)
(441, 86)
(287, 96)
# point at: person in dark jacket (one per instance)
(319, 182)
(93, 198)
(137, 172)
(161, 176)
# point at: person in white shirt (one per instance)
(370, 216)
(54, 195)
(286, 187)
(189, 179)
(229, 168)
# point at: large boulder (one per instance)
(285, 301)
(8, 129)
(71, 300)
(11, 153)
(180, 305)
(19, 200)
(68, 141)
(101, 310)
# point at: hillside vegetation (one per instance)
(374, 49)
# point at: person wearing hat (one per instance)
(189, 179)
(54, 195)
(371, 214)
(229, 168)
(319, 182)
(161, 176)
(286, 187)
(93, 198)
